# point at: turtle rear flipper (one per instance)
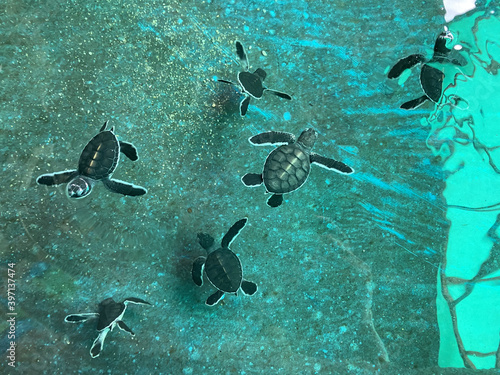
(214, 298)
(233, 232)
(248, 287)
(78, 318)
(244, 106)
(412, 104)
(98, 344)
(261, 73)
(405, 63)
(224, 81)
(332, 164)
(129, 150)
(272, 138)
(275, 200)
(104, 126)
(280, 94)
(122, 187)
(57, 178)
(240, 51)
(252, 179)
(124, 327)
(137, 301)
(197, 270)
(205, 240)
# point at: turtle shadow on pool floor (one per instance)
(180, 258)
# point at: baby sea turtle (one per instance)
(251, 84)
(98, 161)
(431, 78)
(110, 314)
(287, 167)
(222, 266)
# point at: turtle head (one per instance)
(307, 138)
(440, 48)
(79, 187)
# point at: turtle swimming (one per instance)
(251, 84)
(98, 161)
(431, 78)
(287, 166)
(110, 314)
(222, 266)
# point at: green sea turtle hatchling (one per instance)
(251, 84)
(287, 167)
(98, 161)
(222, 266)
(431, 78)
(110, 314)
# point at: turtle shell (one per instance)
(286, 169)
(223, 269)
(431, 80)
(109, 311)
(251, 83)
(100, 157)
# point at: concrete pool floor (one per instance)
(346, 267)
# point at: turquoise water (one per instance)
(349, 268)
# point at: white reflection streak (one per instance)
(457, 7)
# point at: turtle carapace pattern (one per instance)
(251, 84)
(222, 267)
(98, 161)
(431, 78)
(287, 166)
(110, 314)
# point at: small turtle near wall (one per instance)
(431, 78)
(110, 314)
(222, 266)
(287, 167)
(98, 161)
(251, 84)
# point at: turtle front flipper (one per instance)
(98, 344)
(249, 288)
(129, 150)
(57, 178)
(122, 187)
(252, 179)
(197, 270)
(137, 301)
(332, 164)
(457, 59)
(240, 51)
(280, 94)
(244, 106)
(405, 63)
(412, 104)
(275, 200)
(79, 318)
(214, 298)
(124, 327)
(272, 138)
(233, 232)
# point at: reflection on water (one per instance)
(465, 135)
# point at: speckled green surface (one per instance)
(346, 268)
